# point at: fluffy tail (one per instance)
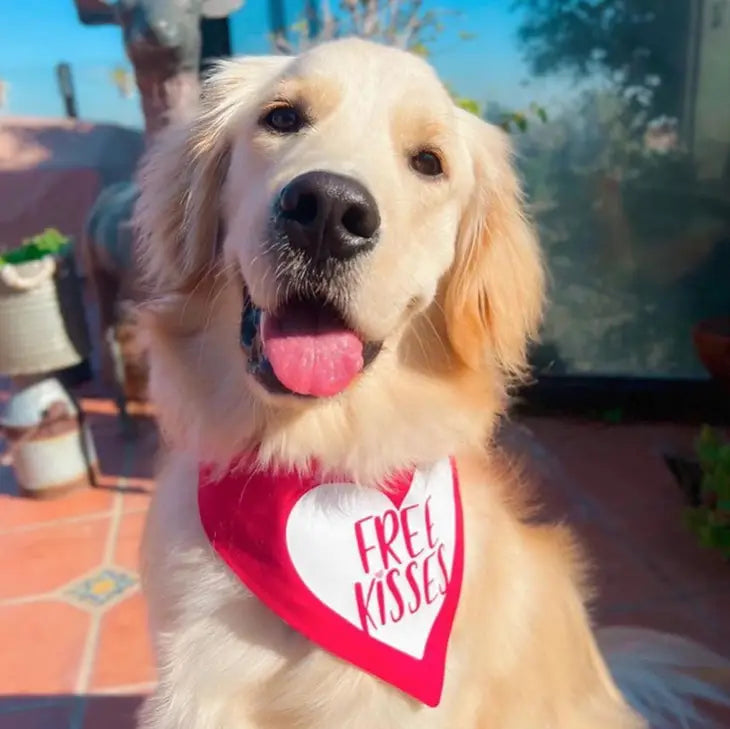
(665, 678)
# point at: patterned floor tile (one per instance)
(101, 588)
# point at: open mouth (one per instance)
(305, 348)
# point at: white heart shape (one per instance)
(322, 542)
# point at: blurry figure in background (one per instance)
(108, 255)
(4, 90)
(162, 39)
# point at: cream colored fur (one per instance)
(454, 288)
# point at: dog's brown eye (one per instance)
(427, 163)
(284, 120)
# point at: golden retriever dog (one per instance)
(345, 286)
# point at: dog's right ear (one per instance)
(177, 216)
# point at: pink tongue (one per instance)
(311, 353)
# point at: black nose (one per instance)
(328, 216)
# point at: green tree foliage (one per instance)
(640, 45)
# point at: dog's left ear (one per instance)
(495, 292)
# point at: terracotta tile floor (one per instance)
(75, 653)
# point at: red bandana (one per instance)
(373, 576)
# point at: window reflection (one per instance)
(630, 181)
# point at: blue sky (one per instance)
(37, 34)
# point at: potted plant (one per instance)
(711, 339)
(710, 519)
(42, 323)
(43, 330)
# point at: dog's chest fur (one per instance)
(226, 662)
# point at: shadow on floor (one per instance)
(68, 712)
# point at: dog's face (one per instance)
(353, 218)
(348, 228)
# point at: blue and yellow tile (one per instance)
(101, 588)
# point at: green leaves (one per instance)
(711, 521)
(49, 242)
(539, 112)
(419, 49)
(519, 120)
(516, 119)
(469, 105)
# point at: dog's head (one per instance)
(339, 257)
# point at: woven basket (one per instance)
(42, 322)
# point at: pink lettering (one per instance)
(395, 592)
(408, 533)
(441, 557)
(362, 548)
(380, 592)
(386, 531)
(363, 608)
(429, 524)
(413, 584)
(428, 596)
